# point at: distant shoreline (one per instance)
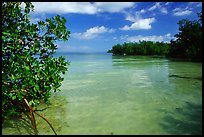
(81, 53)
(153, 56)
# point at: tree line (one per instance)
(188, 43)
(140, 48)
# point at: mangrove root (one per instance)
(32, 118)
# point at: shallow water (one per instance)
(105, 94)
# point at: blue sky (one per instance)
(97, 26)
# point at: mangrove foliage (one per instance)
(29, 71)
(140, 48)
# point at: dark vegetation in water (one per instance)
(29, 71)
(177, 76)
(188, 121)
(188, 43)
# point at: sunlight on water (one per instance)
(105, 94)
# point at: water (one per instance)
(105, 94)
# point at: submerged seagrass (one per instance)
(105, 94)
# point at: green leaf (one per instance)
(31, 103)
(12, 77)
(36, 88)
(10, 94)
(27, 68)
(23, 93)
(19, 96)
(36, 78)
(13, 97)
(6, 33)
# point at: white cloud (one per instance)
(142, 11)
(80, 7)
(139, 24)
(168, 35)
(166, 38)
(64, 7)
(167, 3)
(156, 5)
(197, 4)
(160, 6)
(181, 12)
(112, 6)
(131, 18)
(164, 10)
(92, 32)
(98, 29)
(144, 23)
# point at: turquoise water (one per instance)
(105, 94)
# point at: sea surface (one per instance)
(130, 95)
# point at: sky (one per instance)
(97, 26)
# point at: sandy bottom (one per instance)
(122, 96)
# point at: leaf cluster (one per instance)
(29, 69)
(188, 43)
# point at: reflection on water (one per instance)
(105, 94)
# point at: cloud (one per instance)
(139, 24)
(160, 6)
(144, 23)
(199, 4)
(181, 12)
(164, 10)
(92, 32)
(167, 3)
(195, 4)
(132, 18)
(142, 11)
(112, 6)
(80, 7)
(64, 7)
(155, 6)
(166, 38)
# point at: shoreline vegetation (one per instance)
(121, 50)
(187, 46)
(29, 71)
(140, 48)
